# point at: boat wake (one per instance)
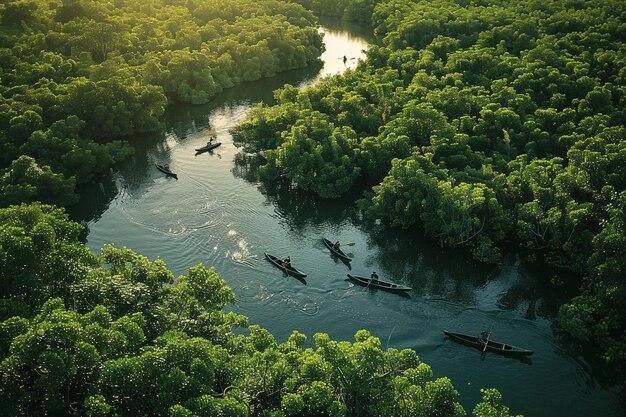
(305, 305)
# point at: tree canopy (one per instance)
(77, 74)
(484, 122)
(117, 335)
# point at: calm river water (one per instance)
(218, 213)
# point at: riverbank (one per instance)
(219, 214)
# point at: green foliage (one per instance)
(58, 356)
(124, 338)
(597, 316)
(482, 122)
(354, 10)
(25, 181)
(316, 156)
(174, 371)
(491, 405)
(40, 256)
(77, 71)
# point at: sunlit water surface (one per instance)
(219, 214)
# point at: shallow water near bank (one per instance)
(219, 214)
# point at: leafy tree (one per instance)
(317, 156)
(481, 122)
(57, 358)
(25, 181)
(40, 256)
(108, 70)
(122, 337)
(597, 316)
(491, 405)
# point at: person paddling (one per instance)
(287, 262)
(336, 245)
(484, 338)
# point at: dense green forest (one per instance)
(484, 123)
(77, 74)
(117, 335)
(351, 10)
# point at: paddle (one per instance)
(282, 265)
(350, 244)
(487, 339)
(370, 281)
(212, 152)
(486, 342)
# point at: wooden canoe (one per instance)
(378, 283)
(337, 252)
(207, 148)
(166, 170)
(290, 270)
(491, 345)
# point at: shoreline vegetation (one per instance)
(78, 76)
(485, 124)
(119, 335)
(484, 121)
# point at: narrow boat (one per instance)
(491, 345)
(166, 170)
(207, 147)
(337, 252)
(290, 269)
(378, 283)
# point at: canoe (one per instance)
(207, 148)
(290, 270)
(166, 170)
(491, 345)
(378, 283)
(337, 252)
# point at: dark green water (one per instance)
(219, 214)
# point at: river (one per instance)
(218, 213)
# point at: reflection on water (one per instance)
(220, 214)
(99, 194)
(408, 257)
(246, 166)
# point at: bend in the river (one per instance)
(219, 214)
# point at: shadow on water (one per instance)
(246, 167)
(302, 280)
(338, 260)
(184, 119)
(401, 294)
(128, 177)
(534, 293)
(221, 207)
(521, 359)
(300, 209)
(406, 255)
(96, 197)
(417, 260)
